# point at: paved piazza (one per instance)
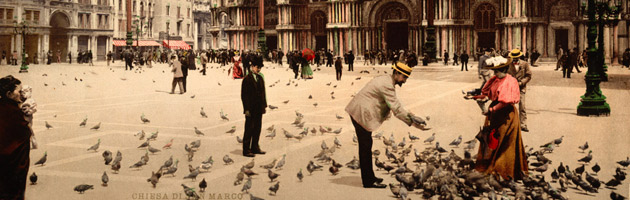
(66, 94)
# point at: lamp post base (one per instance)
(584, 109)
(24, 70)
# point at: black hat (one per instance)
(258, 61)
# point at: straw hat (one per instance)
(402, 68)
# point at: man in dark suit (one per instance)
(350, 61)
(128, 59)
(246, 58)
(329, 59)
(280, 55)
(254, 105)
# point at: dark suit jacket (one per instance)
(253, 94)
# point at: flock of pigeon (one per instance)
(430, 172)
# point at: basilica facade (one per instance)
(359, 25)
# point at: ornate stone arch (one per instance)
(64, 15)
(379, 9)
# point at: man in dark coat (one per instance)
(254, 106)
(329, 59)
(295, 61)
(445, 57)
(350, 61)
(247, 60)
(464, 59)
(15, 136)
(128, 59)
(280, 55)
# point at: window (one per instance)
(84, 20)
(188, 14)
(120, 5)
(103, 21)
(32, 16)
(134, 6)
(6, 15)
(168, 10)
(188, 30)
(84, 2)
(179, 28)
(179, 12)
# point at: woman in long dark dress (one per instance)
(501, 151)
(15, 136)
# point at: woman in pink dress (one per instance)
(237, 72)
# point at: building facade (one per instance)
(58, 26)
(462, 25)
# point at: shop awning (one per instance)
(143, 43)
(175, 44)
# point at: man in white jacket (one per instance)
(370, 108)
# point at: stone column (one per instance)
(615, 45)
(524, 39)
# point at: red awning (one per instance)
(175, 44)
(143, 43)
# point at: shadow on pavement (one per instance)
(354, 181)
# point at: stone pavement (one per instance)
(117, 98)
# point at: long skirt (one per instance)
(237, 72)
(501, 148)
(307, 73)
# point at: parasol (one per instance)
(308, 54)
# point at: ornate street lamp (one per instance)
(168, 35)
(600, 14)
(23, 29)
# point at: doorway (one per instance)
(486, 39)
(397, 35)
(272, 42)
(562, 39)
(58, 45)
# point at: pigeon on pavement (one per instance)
(48, 126)
(33, 178)
(198, 132)
(95, 146)
(104, 179)
(96, 127)
(82, 188)
(42, 160)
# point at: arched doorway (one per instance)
(394, 18)
(58, 43)
(271, 20)
(485, 25)
(318, 29)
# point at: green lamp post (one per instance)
(23, 29)
(600, 14)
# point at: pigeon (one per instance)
(247, 185)
(138, 164)
(272, 134)
(272, 175)
(355, 139)
(337, 143)
(300, 176)
(155, 177)
(193, 175)
(583, 147)
(615, 196)
(281, 162)
(195, 144)
(395, 189)
(239, 139)
(412, 137)
(171, 170)
(558, 141)
(272, 107)
(144, 144)
(285, 102)
(457, 141)
(198, 132)
(82, 124)
(203, 113)
(232, 130)
(430, 139)
(96, 127)
(202, 185)
(82, 188)
(337, 131)
(270, 165)
(153, 135)
(338, 117)
(624, 163)
(42, 160)
(107, 156)
(588, 158)
(152, 150)
(323, 145)
(224, 116)
(274, 188)
(439, 148)
(33, 178)
(315, 104)
(271, 128)
(144, 119)
(116, 166)
(227, 160)
(542, 168)
(141, 134)
(168, 145)
(48, 126)
(95, 146)
(333, 170)
(192, 97)
(104, 179)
